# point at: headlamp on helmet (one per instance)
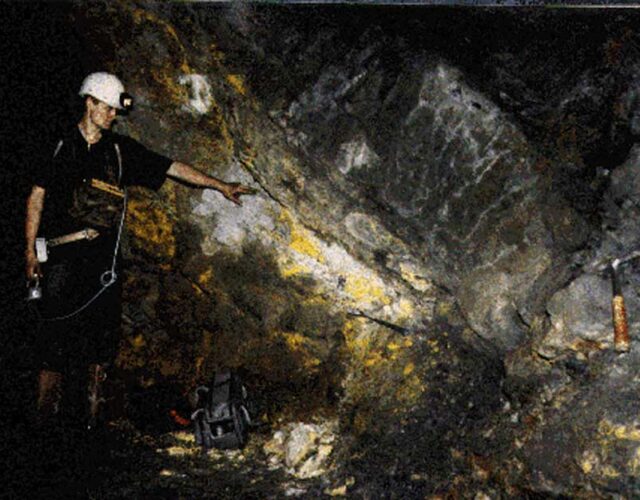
(107, 88)
(126, 102)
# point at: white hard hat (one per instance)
(105, 87)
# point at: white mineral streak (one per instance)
(225, 224)
(355, 154)
(459, 119)
(199, 88)
(485, 213)
(228, 226)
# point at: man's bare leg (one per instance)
(49, 394)
(97, 375)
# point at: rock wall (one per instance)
(278, 288)
(419, 259)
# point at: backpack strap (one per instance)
(119, 156)
(58, 148)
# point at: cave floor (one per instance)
(124, 462)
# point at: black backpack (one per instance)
(222, 417)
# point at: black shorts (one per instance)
(92, 335)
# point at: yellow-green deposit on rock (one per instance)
(366, 290)
(609, 430)
(151, 227)
(301, 239)
(600, 460)
(238, 84)
(302, 346)
(144, 15)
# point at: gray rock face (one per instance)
(452, 176)
(581, 312)
(592, 433)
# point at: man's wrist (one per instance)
(217, 184)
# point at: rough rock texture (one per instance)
(304, 449)
(419, 260)
(443, 168)
(581, 313)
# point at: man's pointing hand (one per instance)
(233, 190)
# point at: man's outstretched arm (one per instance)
(35, 202)
(230, 190)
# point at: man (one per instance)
(78, 200)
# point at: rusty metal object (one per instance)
(621, 340)
(179, 419)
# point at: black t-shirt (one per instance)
(75, 162)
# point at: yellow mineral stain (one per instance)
(408, 369)
(374, 358)
(365, 291)
(312, 363)
(609, 471)
(626, 432)
(433, 345)
(340, 491)
(153, 229)
(405, 309)
(199, 364)
(238, 84)
(197, 290)
(443, 308)
(291, 172)
(220, 125)
(315, 300)
(180, 451)
(408, 274)
(207, 341)
(392, 346)
(294, 270)
(294, 340)
(588, 462)
(204, 279)
(301, 239)
(301, 345)
(586, 466)
(248, 156)
(410, 391)
(359, 344)
(605, 427)
(184, 437)
(350, 332)
(138, 341)
(140, 15)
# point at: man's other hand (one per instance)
(32, 267)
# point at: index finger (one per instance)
(234, 199)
